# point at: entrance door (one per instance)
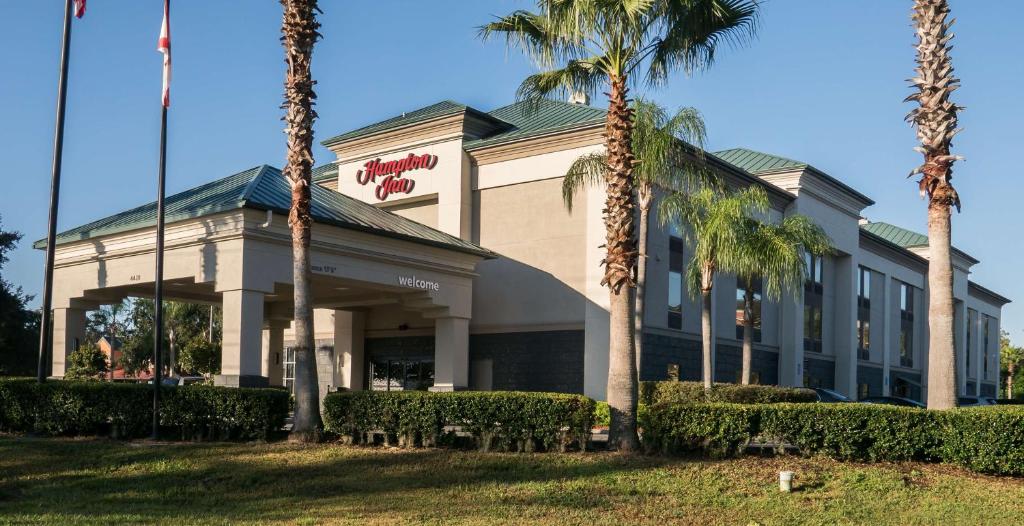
(401, 374)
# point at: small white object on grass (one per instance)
(786, 481)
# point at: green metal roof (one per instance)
(440, 109)
(265, 188)
(538, 117)
(757, 162)
(515, 121)
(325, 172)
(896, 235)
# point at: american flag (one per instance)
(79, 8)
(164, 46)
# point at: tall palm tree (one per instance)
(669, 152)
(582, 45)
(299, 35)
(712, 222)
(773, 254)
(936, 121)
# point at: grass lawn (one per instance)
(69, 481)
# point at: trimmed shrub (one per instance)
(503, 420)
(652, 393)
(719, 430)
(984, 439)
(125, 410)
(859, 432)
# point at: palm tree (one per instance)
(1010, 358)
(712, 222)
(774, 253)
(669, 152)
(582, 45)
(936, 121)
(299, 30)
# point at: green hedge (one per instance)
(502, 420)
(984, 439)
(125, 410)
(652, 393)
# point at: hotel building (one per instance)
(445, 258)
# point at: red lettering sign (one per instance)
(391, 172)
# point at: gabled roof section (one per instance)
(760, 163)
(440, 109)
(265, 188)
(896, 235)
(757, 162)
(995, 297)
(530, 118)
(906, 238)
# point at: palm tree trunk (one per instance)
(748, 333)
(707, 338)
(172, 361)
(644, 194)
(619, 265)
(941, 351)
(299, 29)
(1011, 369)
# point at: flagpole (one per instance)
(51, 235)
(158, 321)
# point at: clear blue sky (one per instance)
(823, 83)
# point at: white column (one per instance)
(596, 324)
(349, 340)
(242, 348)
(451, 354)
(887, 340)
(844, 335)
(68, 334)
(273, 353)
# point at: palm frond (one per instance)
(587, 170)
(583, 76)
(695, 29)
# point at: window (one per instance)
(755, 310)
(289, 369)
(864, 314)
(675, 283)
(906, 343)
(984, 350)
(972, 321)
(864, 288)
(863, 391)
(864, 339)
(906, 347)
(813, 291)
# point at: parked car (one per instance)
(974, 401)
(893, 400)
(829, 396)
(180, 380)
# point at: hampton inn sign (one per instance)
(391, 172)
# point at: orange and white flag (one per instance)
(164, 46)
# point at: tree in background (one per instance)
(299, 36)
(585, 45)
(192, 352)
(936, 121)
(669, 151)
(86, 363)
(19, 326)
(712, 222)
(773, 254)
(1010, 359)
